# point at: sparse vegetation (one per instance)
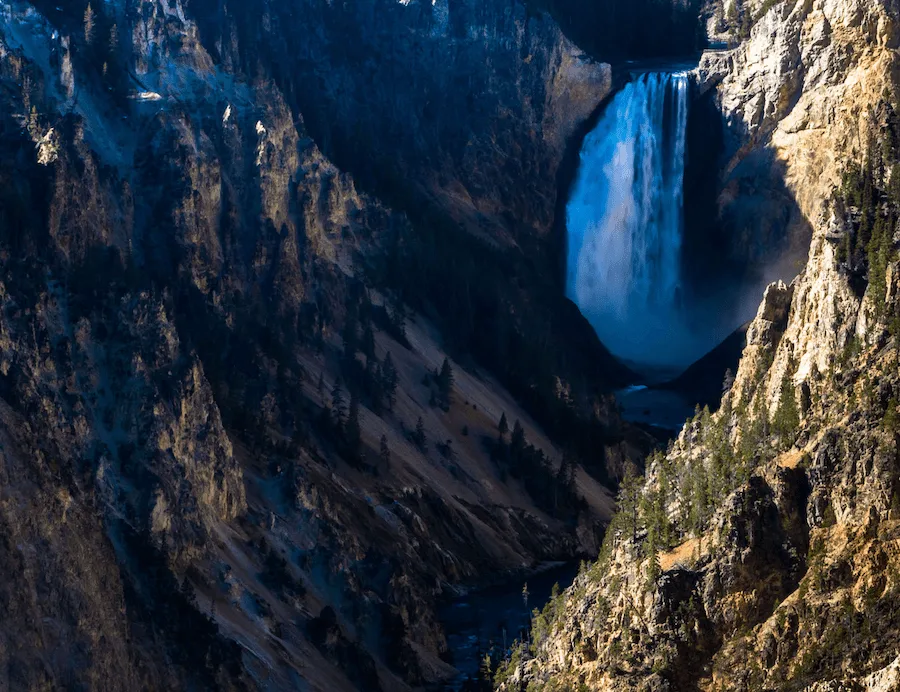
(786, 420)
(554, 491)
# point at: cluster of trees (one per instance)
(276, 575)
(342, 420)
(739, 20)
(869, 198)
(370, 378)
(553, 490)
(786, 419)
(740, 17)
(441, 384)
(531, 337)
(681, 500)
(98, 44)
(169, 610)
(472, 292)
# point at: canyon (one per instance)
(313, 315)
(261, 339)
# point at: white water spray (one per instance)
(625, 224)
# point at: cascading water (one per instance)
(625, 224)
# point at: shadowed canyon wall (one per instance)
(238, 242)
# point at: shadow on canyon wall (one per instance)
(615, 31)
(742, 230)
(743, 227)
(439, 117)
(173, 287)
(166, 315)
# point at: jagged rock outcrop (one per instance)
(783, 95)
(491, 95)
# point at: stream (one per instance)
(495, 615)
(660, 408)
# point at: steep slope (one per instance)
(216, 347)
(761, 551)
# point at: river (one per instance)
(495, 616)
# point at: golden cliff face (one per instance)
(762, 551)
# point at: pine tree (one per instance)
(654, 569)
(337, 405)
(517, 441)
(89, 17)
(728, 381)
(700, 501)
(389, 380)
(397, 316)
(629, 501)
(384, 454)
(503, 426)
(320, 386)
(565, 479)
(746, 22)
(419, 435)
(485, 671)
(352, 432)
(787, 415)
(445, 383)
(733, 16)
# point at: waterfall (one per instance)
(625, 223)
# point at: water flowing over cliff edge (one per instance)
(625, 223)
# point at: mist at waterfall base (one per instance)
(625, 225)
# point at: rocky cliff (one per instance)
(761, 551)
(271, 275)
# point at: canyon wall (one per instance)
(238, 243)
(761, 551)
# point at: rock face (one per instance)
(761, 552)
(237, 244)
(781, 96)
(491, 94)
